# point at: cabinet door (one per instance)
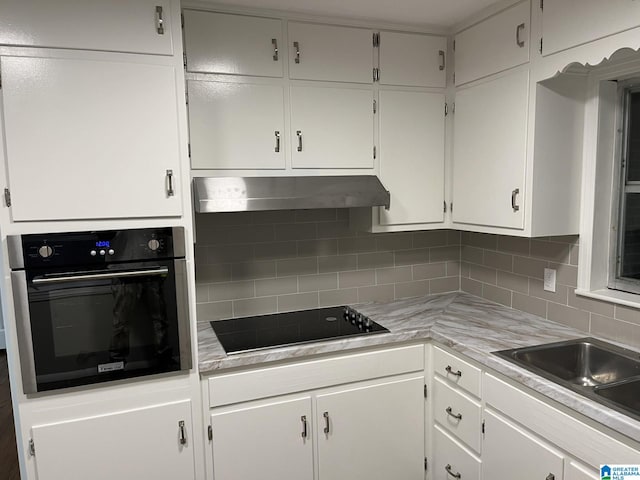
(103, 134)
(567, 23)
(489, 151)
(413, 60)
(509, 452)
(119, 26)
(269, 442)
(331, 53)
(575, 471)
(236, 125)
(331, 127)
(127, 445)
(374, 432)
(412, 156)
(494, 45)
(233, 44)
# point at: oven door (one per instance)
(89, 326)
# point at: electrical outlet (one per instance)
(550, 279)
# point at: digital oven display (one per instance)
(103, 244)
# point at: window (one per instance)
(625, 262)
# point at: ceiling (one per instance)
(410, 12)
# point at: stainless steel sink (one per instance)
(599, 370)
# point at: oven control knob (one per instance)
(45, 251)
(93, 253)
(111, 251)
(102, 253)
(153, 244)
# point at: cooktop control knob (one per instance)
(153, 244)
(367, 322)
(45, 251)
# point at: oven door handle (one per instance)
(99, 276)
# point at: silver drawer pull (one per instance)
(296, 45)
(514, 195)
(274, 42)
(519, 30)
(450, 371)
(450, 472)
(457, 416)
(159, 21)
(326, 422)
(170, 190)
(551, 476)
(442, 60)
(303, 419)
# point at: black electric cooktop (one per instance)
(279, 329)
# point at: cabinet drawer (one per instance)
(448, 365)
(457, 413)
(297, 377)
(449, 453)
(233, 44)
(493, 45)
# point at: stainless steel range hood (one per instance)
(240, 194)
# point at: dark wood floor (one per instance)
(8, 454)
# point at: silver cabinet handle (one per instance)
(457, 416)
(299, 134)
(450, 371)
(296, 45)
(159, 20)
(277, 149)
(183, 432)
(450, 472)
(519, 30)
(326, 422)
(442, 59)
(170, 191)
(514, 194)
(551, 476)
(274, 42)
(303, 419)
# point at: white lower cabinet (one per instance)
(358, 416)
(510, 452)
(370, 432)
(269, 441)
(576, 471)
(151, 442)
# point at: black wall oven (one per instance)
(99, 306)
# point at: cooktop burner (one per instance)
(279, 329)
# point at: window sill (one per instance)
(612, 296)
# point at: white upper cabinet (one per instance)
(490, 150)
(236, 125)
(411, 59)
(331, 127)
(104, 134)
(233, 44)
(493, 45)
(330, 53)
(127, 445)
(568, 23)
(141, 26)
(412, 156)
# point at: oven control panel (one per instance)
(100, 247)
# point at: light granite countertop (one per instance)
(473, 326)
